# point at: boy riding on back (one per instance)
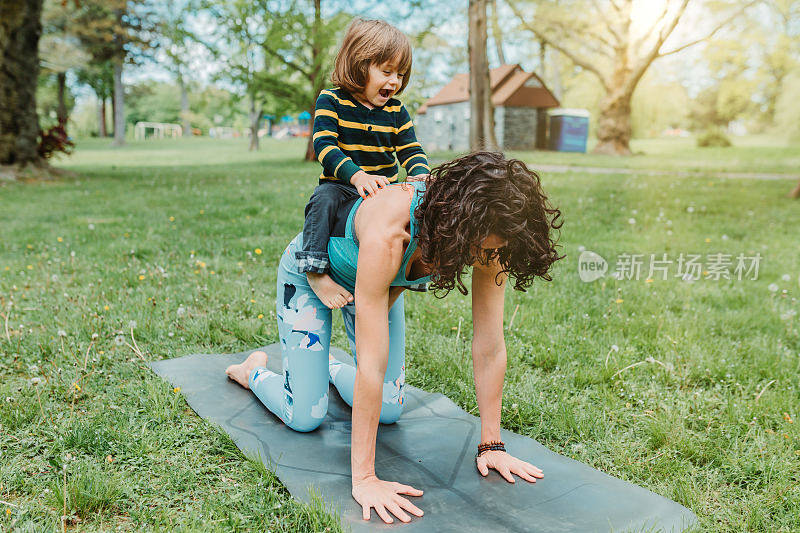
(358, 129)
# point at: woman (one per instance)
(479, 210)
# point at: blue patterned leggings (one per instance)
(299, 397)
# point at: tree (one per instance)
(303, 44)
(176, 40)
(481, 123)
(20, 29)
(59, 53)
(497, 34)
(601, 37)
(100, 77)
(115, 32)
(240, 35)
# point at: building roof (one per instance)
(510, 86)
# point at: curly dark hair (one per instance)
(473, 196)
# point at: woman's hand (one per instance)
(506, 464)
(383, 496)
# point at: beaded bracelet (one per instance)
(491, 445)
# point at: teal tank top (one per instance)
(343, 251)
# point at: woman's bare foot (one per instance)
(328, 291)
(241, 373)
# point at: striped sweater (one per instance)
(349, 137)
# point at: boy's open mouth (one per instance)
(385, 93)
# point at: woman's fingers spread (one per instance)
(408, 506)
(526, 476)
(506, 474)
(365, 514)
(381, 510)
(398, 512)
(407, 489)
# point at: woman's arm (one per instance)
(380, 228)
(379, 258)
(488, 346)
(489, 367)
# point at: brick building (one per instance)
(520, 102)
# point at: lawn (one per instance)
(688, 388)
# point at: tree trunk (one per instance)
(614, 124)
(102, 130)
(61, 111)
(187, 127)
(314, 78)
(497, 34)
(20, 29)
(481, 125)
(119, 105)
(255, 121)
(311, 155)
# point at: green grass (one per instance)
(162, 238)
(750, 154)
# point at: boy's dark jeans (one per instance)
(321, 211)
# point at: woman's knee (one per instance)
(305, 424)
(390, 412)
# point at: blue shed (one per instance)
(569, 130)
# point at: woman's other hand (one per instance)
(384, 496)
(506, 464)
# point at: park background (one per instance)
(124, 251)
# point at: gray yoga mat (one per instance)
(432, 447)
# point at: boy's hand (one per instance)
(368, 183)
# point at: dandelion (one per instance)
(95, 336)
(170, 334)
(258, 251)
(77, 387)
(260, 316)
(690, 209)
(91, 226)
(649, 280)
(202, 211)
(181, 311)
(119, 340)
(172, 219)
(614, 347)
(62, 333)
(708, 240)
(141, 277)
(106, 308)
(773, 287)
(132, 324)
(30, 267)
(36, 380)
(581, 248)
(109, 459)
(30, 247)
(631, 221)
(212, 272)
(619, 300)
(724, 237)
(786, 277)
(59, 239)
(252, 301)
(176, 390)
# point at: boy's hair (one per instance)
(367, 42)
